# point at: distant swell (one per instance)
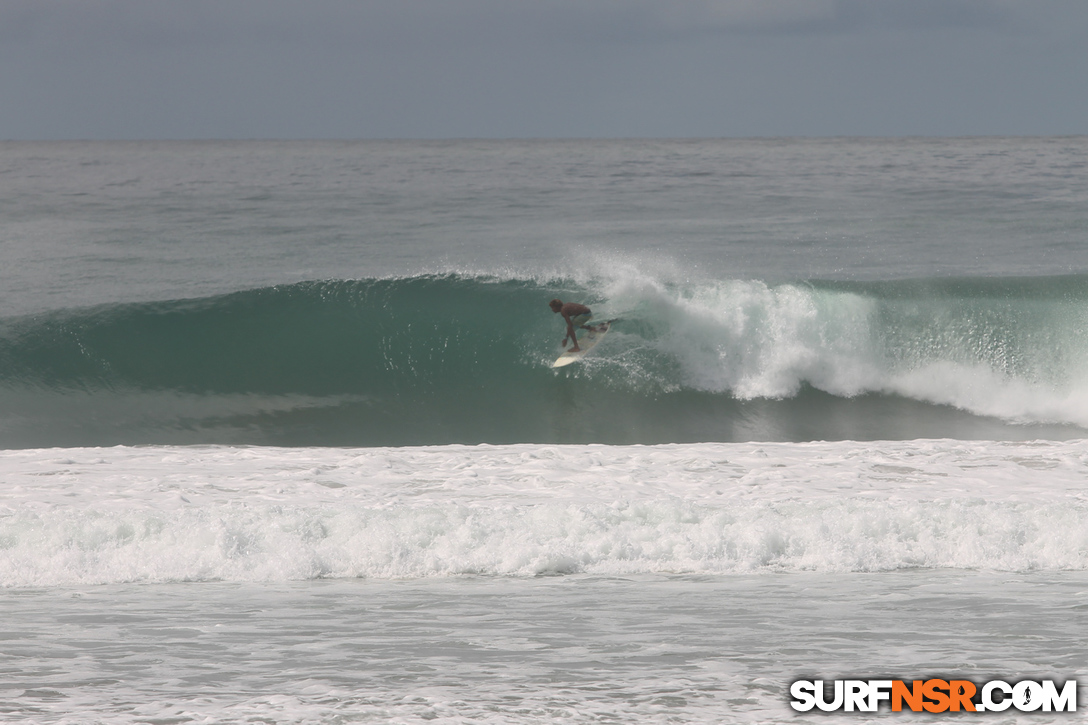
(440, 359)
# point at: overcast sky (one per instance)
(139, 69)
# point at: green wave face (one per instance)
(315, 338)
(442, 359)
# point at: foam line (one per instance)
(90, 516)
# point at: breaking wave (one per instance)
(454, 358)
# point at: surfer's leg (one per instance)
(581, 320)
(579, 323)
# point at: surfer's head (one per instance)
(556, 305)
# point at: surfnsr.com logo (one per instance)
(934, 696)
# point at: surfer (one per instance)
(575, 314)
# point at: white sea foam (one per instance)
(758, 341)
(86, 516)
(1019, 360)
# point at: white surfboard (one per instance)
(587, 340)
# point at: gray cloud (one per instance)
(198, 22)
(442, 68)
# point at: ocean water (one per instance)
(280, 442)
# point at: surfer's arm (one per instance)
(570, 333)
(570, 328)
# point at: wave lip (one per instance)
(94, 516)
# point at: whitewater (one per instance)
(280, 442)
(119, 515)
(526, 582)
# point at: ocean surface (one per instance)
(280, 442)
